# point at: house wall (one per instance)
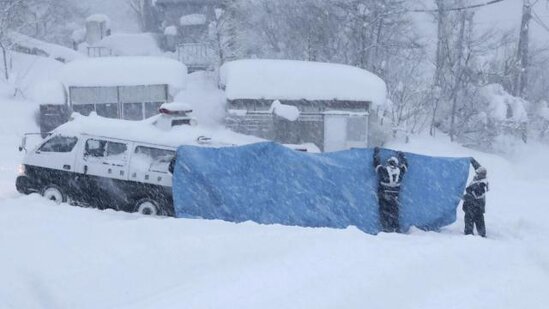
(252, 117)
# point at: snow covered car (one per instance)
(100, 171)
(113, 163)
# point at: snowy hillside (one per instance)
(66, 257)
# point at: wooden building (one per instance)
(333, 101)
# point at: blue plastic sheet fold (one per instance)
(270, 184)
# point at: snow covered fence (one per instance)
(271, 184)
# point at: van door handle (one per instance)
(67, 167)
(85, 169)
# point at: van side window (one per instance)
(59, 144)
(152, 159)
(106, 150)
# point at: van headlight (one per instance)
(21, 170)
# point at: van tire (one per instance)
(148, 207)
(54, 193)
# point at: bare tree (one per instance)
(145, 14)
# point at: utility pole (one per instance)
(521, 77)
(440, 59)
(458, 68)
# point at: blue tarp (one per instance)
(270, 184)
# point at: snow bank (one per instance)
(60, 256)
(271, 184)
(287, 112)
(29, 70)
(192, 20)
(48, 92)
(147, 132)
(125, 71)
(296, 80)
(16, 118)
(131, 44)
(53, 50)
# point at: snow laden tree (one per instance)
(223, 33)
(52, 20)
(12, 18)
(145, 15)
(48, 20)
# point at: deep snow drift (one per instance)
(64, 256)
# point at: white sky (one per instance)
(504, 15)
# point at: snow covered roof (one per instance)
(47, 92)
(53, 50)
(146, 132)
(100, 18)
(131, 44)
(124, 71)
(296, 80)
(192, 20)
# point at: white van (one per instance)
(100, 171)
(113, 163)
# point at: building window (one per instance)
(132, 111)
(84, 109)
(109, 110)
(151, 108)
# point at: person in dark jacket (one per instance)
(390, 177)
(474, 201)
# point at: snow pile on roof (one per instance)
(125, 71)
(100, 18)
(52, 50)
(502, 105)
(206, 99)
(192, 20)
(296, 80)
(170, 30)
(131, 44)
(146, 131)
(288, 112)
(47, 92)
(79, 35)
(28, 70)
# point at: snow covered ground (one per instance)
(59, 256)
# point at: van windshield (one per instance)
(59, 143)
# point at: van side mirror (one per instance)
(23, 144)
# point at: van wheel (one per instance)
(54, 193)
(148, 207)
